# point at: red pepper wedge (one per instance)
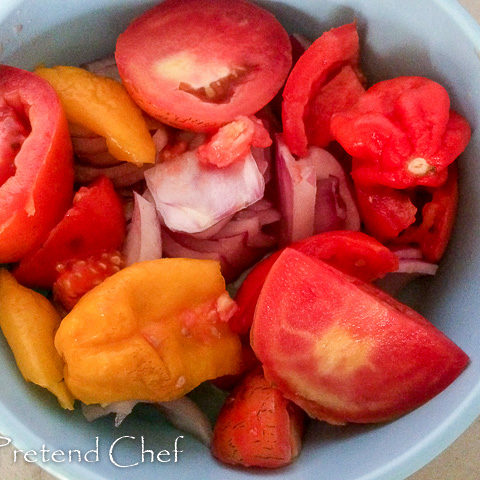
(340, 93)
(323, 59)
(385, 212)
(354, 253)
(402, 133)
(36, 168)
(94, 224)
(438, 217)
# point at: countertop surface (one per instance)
(461, 461)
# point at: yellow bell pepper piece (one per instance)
(153, 331)
(29, 323)
(103, 106)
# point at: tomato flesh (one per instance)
(351, 252)
(257, 426)
(36, 172)
(360, 356)
(198, 64)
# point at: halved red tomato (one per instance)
(343, 350)
(198, 64)
(36, 172)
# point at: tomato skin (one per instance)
(354, 253)
(244, 53)
(329, 53)
(38, 190)
(360, 355)
(94, 224)
(257, 426)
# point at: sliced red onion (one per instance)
(328, 168)
(185, 415)
(120, 409)
(416, 266)
(296, 189)
(213, 230)
(408, 253)
(330, 213)
(160, 139)
(315, 194)
(122, 175)
(172, 248)
(192, 197)
(89, 145)
(143, 241)
(299, 43)
(408, 270)
(107, 67)
(182, 413)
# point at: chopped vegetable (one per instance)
(141, 332)
(438, 216)
(36, 174)
(315, 194)
(77, 277)
(327, 55)
(111, 113)
(354, 253)
(233, 141)
(192, 197)
(199, 75)
(29, 323)
(360, 356)
(402, 133)
(257, 426)
(144, 240)
(93, 225)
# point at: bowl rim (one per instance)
(397, 469)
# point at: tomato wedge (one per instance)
(257, 426)
(36, 172)
(354, 253)
(94, 224)
(198, 64)
(343, 350)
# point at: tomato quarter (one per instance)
(198, 64)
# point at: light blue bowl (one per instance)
(434, 38)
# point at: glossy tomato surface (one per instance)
(198, 64)
(36, 172)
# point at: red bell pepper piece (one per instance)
(385, 212)
(325, 57)
(402, 133)
(36, 168)
(340, 93)
(354, 253)
(94, 224)
(438, 217)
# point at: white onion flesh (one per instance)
(143, 241)
(192, 197)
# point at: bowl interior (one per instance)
(394, 42)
